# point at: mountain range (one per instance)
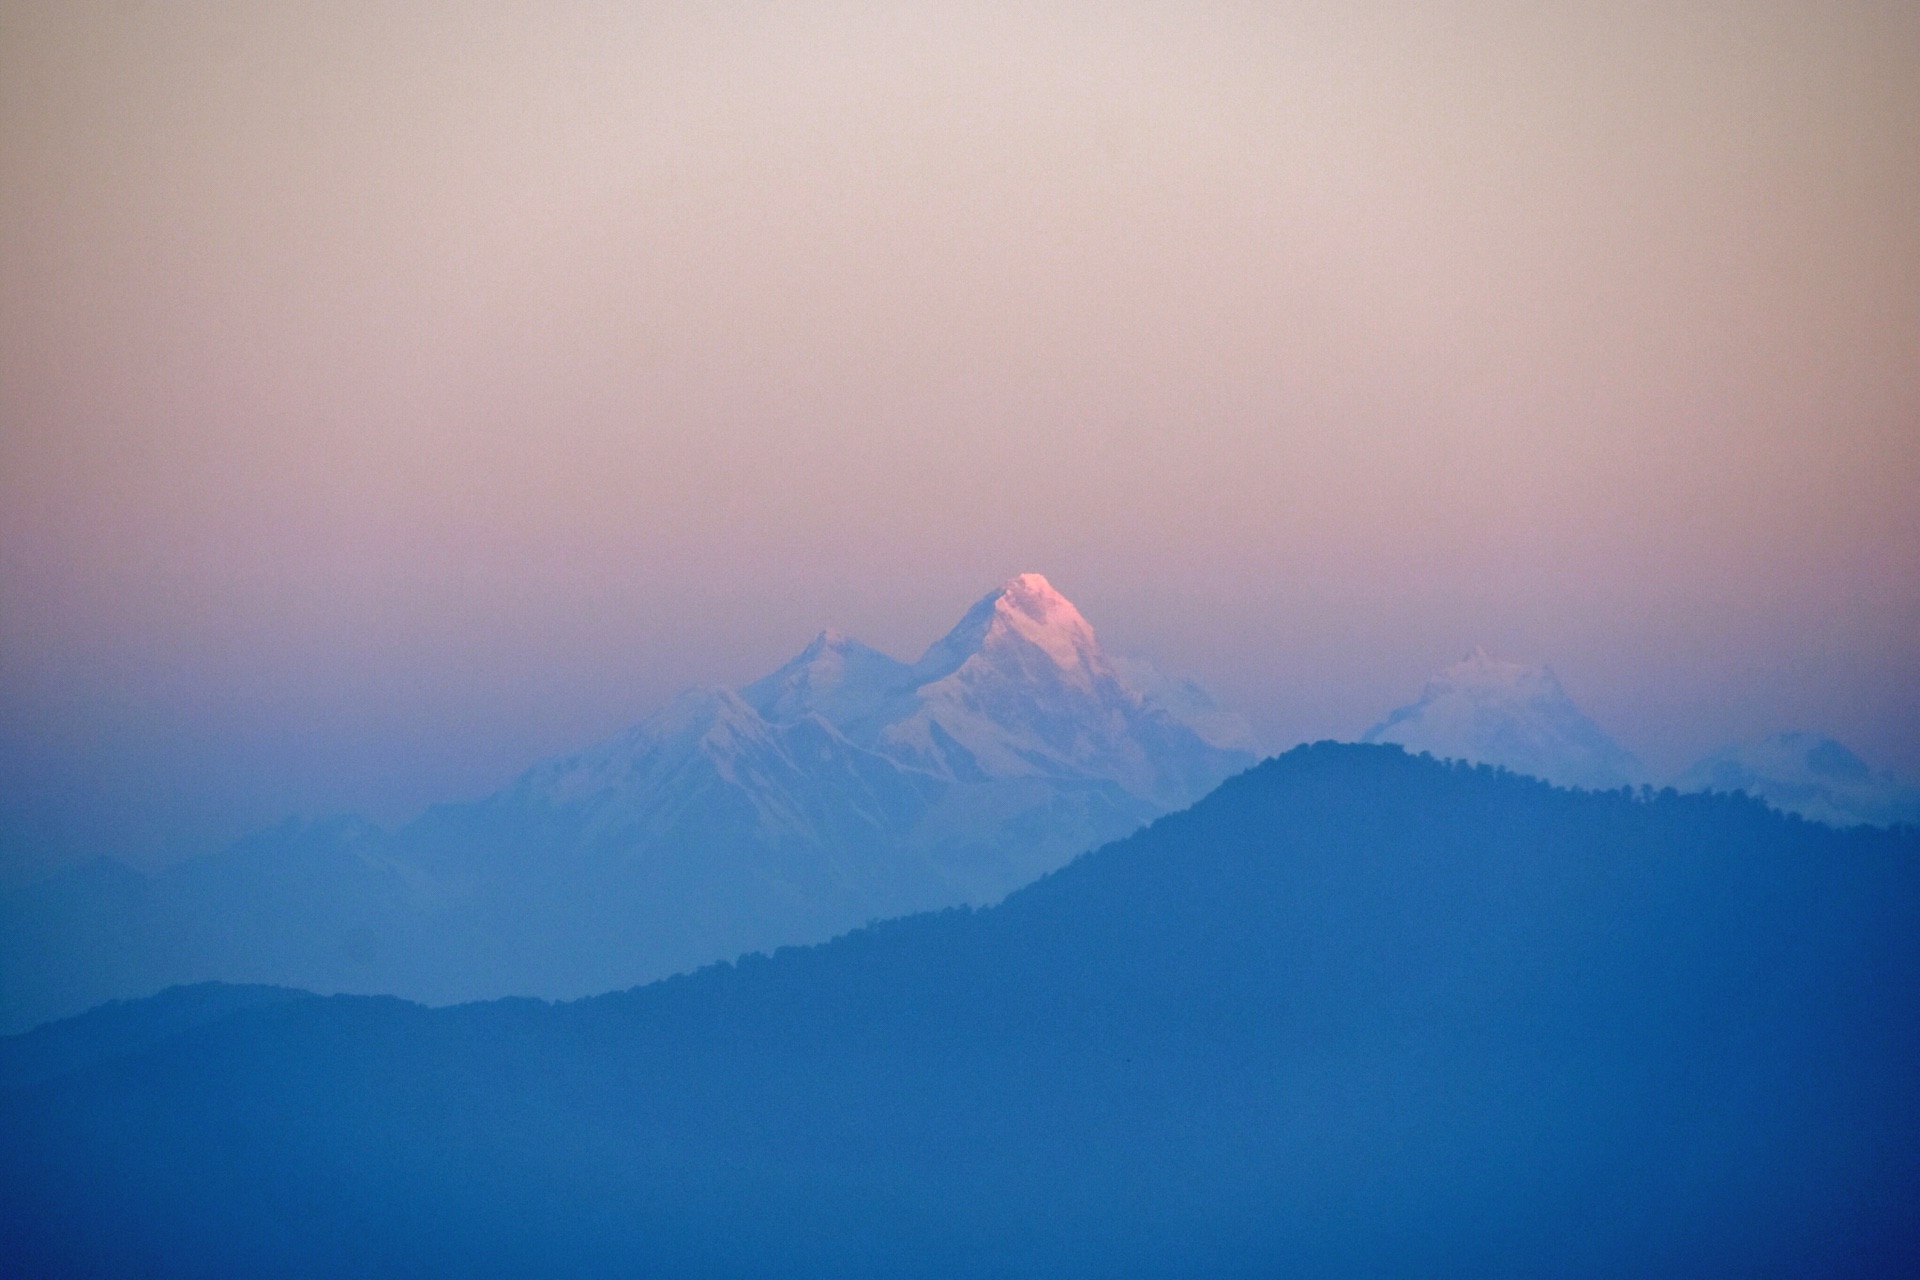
(844, 787)
(1807, 774)
(1356, 1013)
(1490, 711)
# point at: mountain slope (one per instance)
(1356, 1013)
(844, 787)
(1488, 711)
(1810, 775)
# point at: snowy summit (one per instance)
(1503, 713)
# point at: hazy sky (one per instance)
(393, 394)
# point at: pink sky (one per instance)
(392, 394)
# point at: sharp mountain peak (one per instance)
(1025, 609)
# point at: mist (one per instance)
(390, 399)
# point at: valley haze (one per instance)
(394, 395)
(843, 787)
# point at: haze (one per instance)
(390, 396)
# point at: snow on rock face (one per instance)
(1020, 688)
(1028, 607)
(1504, 713)
(1011, 744)
(835, 677)
(1025, 617)
(1810, 775)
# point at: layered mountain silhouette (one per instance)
(1357, 1013)
(1489, 711)
(1807, 774)
(844, 787)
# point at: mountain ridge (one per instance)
(843, 786)
(1357, 1012)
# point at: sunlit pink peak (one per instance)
(1030, 607)
(1024, 608)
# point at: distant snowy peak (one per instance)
(710, 723)
(1025, 615)
(1807, 774)
(1025, 632)
(1504, 713)
(836, 677)
(1028, 608)
(1481, 675)
(1019, 689)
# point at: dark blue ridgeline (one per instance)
(1355, 1013)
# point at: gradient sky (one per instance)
(393, 394)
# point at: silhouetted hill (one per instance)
(121, 1027)
(1354, 1013)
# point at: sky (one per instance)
(394, 394)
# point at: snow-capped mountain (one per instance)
(1503, 713)
(1810, 775)
(845, 786)
(1012, 744)
(1019, 689)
